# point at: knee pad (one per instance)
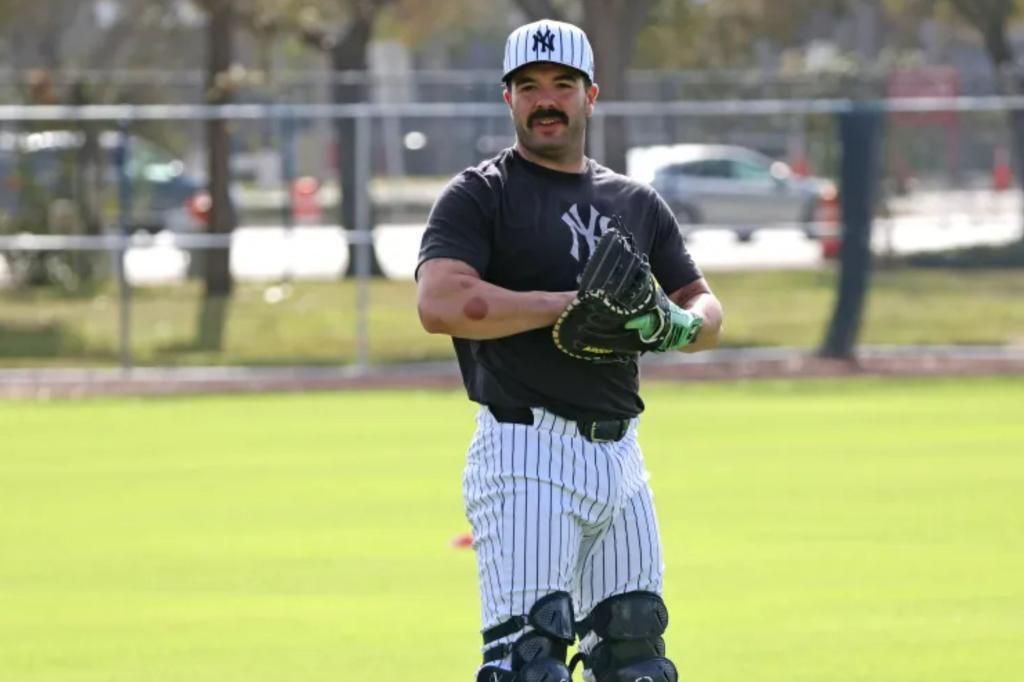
(630, 647)
(538, 655)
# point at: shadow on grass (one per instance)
(44, 340)
(209, 331)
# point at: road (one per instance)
(923, 222)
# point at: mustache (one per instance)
(546, 113)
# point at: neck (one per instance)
(572, 162)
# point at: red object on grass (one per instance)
(462, 541)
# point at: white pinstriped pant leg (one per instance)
(551, 511)
(625, 558)
(625, 553)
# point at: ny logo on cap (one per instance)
(543, 41)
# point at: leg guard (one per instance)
(538, 655)
(630, 647)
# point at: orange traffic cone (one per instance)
(800, 166)
(462, 541)
(1002, 174)
(828, 219)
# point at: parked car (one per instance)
(731, 187)
(42, 180)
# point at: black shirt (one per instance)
(525, 227)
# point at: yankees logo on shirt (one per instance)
(590, 231)
(529, 228)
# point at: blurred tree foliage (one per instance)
(720, 35)
(992, 18)
(341, 30)
(222, 24)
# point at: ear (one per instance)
(592, 93)
(507, 96)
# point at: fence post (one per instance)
(124, 211)
(363, 233)
(286, 130)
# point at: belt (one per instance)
(594, 430)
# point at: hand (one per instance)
(679, 328)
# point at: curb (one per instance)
(718, 365)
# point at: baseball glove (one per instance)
(620, 309)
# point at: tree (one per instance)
(991, 18)
(66, 201)
(725, 35)
(612, 26)
(346, 51)
(222, 219)
(341, 30)
(36, 30)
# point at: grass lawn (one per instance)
(819, 531)
(315, 322)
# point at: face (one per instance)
(550, 105)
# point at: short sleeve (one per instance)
(461, 223)
(670, 261)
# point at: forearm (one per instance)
(710, 309)
(467, 307)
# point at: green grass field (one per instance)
(316, 323)
(856, 531)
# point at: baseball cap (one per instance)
(548, 41)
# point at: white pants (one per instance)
(552, 511)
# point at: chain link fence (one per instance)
(101, 252)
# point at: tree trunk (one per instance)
(612, 26)
(1011, 82)
(861, 133)
(349, 55)
(216, 262)
(535, 10)
(88, 177)
(89, 181)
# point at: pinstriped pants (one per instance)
(551, 511)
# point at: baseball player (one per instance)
(555, 486)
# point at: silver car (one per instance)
(734, 188)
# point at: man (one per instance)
(555, 487)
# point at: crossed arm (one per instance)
(453, 300)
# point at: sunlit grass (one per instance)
(317, 322)
(819, 531)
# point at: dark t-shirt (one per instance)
(525, 227)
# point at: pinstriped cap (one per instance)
(548, 41)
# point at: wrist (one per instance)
(683, 328)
